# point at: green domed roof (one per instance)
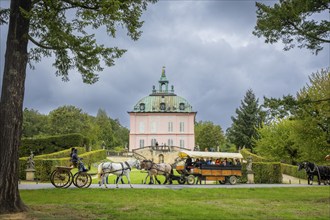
(162, 103)
(162, 100)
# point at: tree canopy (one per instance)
(101, 130)
(295, 22)
(299, 129)
(63, 29)
(208, 136)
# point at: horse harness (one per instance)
(155, 166)
(310, 171)
(122, 169)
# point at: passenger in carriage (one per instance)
(238, 163)
(188, 163)
(203, 161)
(77, 161)
(217, 161)
(197, 163)
(225, 162)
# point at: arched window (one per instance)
(182, 106)
(162, 106)
(142, 106)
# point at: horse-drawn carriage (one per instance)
(62, 177)
(227, 169)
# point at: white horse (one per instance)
(119, 169)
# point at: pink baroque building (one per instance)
(162, 119)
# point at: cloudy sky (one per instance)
(210, 54)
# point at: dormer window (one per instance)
(162, 106)
(142, 106)
(182, 106)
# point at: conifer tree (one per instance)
(243, 130)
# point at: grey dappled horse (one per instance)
(155, 169)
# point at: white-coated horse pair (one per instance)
(119, 169)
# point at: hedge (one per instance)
(51, 144)
(264, 172)
(44, 165)
(293, 171)
(267, 172)
(60, 154)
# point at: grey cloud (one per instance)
(211, 58)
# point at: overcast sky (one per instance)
(210, 54)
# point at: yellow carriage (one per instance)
(227, 169)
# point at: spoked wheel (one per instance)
(82, 180)
(182, 180)
(191, 179)
(61, 178)
(232, 180)
(222, 181)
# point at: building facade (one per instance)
(162, 119)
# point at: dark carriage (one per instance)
(62, 177)
(193, 172)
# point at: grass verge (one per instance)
(249, 203)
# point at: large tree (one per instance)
(208, 135)
(105, 134)
(34, 123)
(309, 113)
(295, 22)
(68, 119)
(277, 141)
(59, 28)
(249, 117)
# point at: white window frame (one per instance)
(181, 143)
(170, 142)
(182, 127)
(170, 126)
(141, 143)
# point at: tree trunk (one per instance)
(11, 107)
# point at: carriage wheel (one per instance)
(232, 180)
(61, 178)
(191, 179)
(82, 180)
(182, 180)
(222, 181)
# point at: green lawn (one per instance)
(221, 203)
